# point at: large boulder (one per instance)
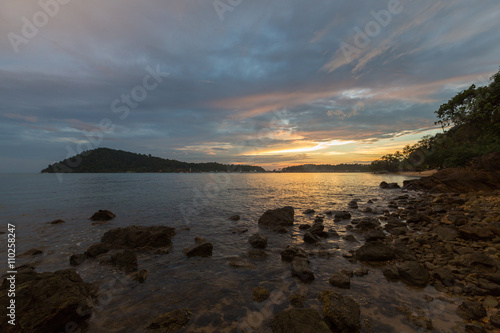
(413, 273)
(301, 269)
(102, 215)
(138, 237)
(375, 251)
(278, 217)
(299, 321)
(341, 313)
(46, 302)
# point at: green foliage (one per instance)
(328, 168)
(474, 115)
(105, 160)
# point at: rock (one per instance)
(446, 233)
(340, 280)
(280, 230)
(391, 273)
(138, 237)
(309, 211)
(299, 321)
(475, 259)
(278, 217)
(304, 226)
(353, 204)
(140, 276)
(470, 310)
(490, 301)
(102, 215)
(96, 249)
(239, 231)
(77, 259)
(171, 321)
(257, 253)
(242, 263)
(444, 275)
(234, 218)
(341, 215)
(374, 235)
(341, 313)
(46, 302)
(310, 238)
(125, 260)
(260, 294)
(474, 328)
(374, 251)
(202, 250)
(366, 223)
(350, 238)
(58, 221)
(258, 241)
(386, 185)
(301, 269)
(291, 252)
(31, 253)
(475, 233)
(361, 271)
(333, 233)
(319, 219)
(413, 273)
(495, 320)
(297, 300)
(316, 229)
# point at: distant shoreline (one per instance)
(425, 173)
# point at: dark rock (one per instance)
(239, 231)
(316, 229)
(280, 230)
(350, 238)
(474, 328)
(102, 215)
(413, 273)
(242, 263)
(171, 321)
(333, 233)
(475, 259)
(374, 251)
(77, 259)
(470, 310)
(446, 233)
(361, 271)
(297, 300)
(340, 280)
(258, 241)
(299, 321)
(374, 235)
(140, 276)
(319, 219)
(31, 253)
(369, 201)
(475, 233)
(301, 269)
(291, 252)
(96, 249)
(278, 217)
(444, 275)
(304, 226)
(341, 313)
(366, 223)
(138, 237)
(341, 215)
(257, 253)
(310, 238)
(46, 302)
(386, 185)
(125, 260)
(234, 218)
(58, 221)
(201, 250)
(309, 211)
(353, 204)
(495, 320)
(391, 273)
(260, 294)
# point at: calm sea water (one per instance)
(218, 295)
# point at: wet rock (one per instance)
(341, 313)
(374, 251)
(386, 185)
(470, 310)
(333, 233)
(304, 226)
(257, 253)
(340, 280)
(239, 231)
(171, 321)
(46, 302)
(291, 252)
(316, 229)
(299, 321)
(310, 238)
(474, 328)
(102, 215)
(475, 259)
(361, 271)
(58, 221)
(96, 249)
(278, 217)
(413, 273)
(234, 218)
(374, 235)
(366, 223)
(31, 253)
(319, 219)
(140, 276)
(280, 230)
(242, 263)
(77, 259)
(495, 320)
(391, 273)
(260, 294)
(301, 269)
(201, 250)
(309, 211)
(444, 275)
(417, 318)
(258, 241)
(297, 300)
(446, 233)
(490, 301)
(125, 260)
(341, 215)
(350, 238)
(475, 233)
(138, 237)
(353, 204)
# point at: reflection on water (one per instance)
(218, 295)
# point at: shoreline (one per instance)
(425, 173)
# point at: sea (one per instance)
(218, 295)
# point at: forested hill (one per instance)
(105, 160)
(328, 168)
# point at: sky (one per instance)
(273, 83)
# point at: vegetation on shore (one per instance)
(471, 128)
(328, 168)
(105, 160)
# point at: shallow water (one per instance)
(218, 295)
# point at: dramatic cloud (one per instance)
(272, 82)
